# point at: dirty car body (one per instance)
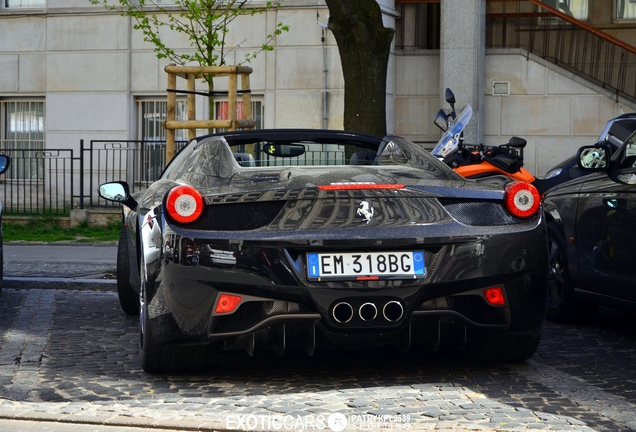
(591, 233)
(300, 239)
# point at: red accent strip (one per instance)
(363, 278)
(355, 186)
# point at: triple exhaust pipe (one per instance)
(343, 312)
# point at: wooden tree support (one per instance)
(191, 74)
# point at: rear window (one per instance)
(301, 153)
(220, 157)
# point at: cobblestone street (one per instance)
(72, 355)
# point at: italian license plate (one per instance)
(366, 265)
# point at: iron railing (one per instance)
(563, 40)
(54, 181)
(39, 181)
(139, 163)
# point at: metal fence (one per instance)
(39, 181)
(139, 163)
(54, 181)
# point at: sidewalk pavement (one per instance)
(60, 265)
(20, 425)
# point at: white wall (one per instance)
(90, 64)
(555, 111)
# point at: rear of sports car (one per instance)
(349, 257)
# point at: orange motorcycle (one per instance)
(478, 161)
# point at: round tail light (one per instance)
(184, 204)
(522, 199)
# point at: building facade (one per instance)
(72, 71)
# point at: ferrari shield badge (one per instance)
(366, 211)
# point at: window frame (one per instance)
(583, 19)
(4, 6)
(182, 106)
(615, 8)
(254, 100)
(24, 169)
(149, 159)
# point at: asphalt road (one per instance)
(78, 253)
(60, 265)
(69, 361)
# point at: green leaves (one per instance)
(205, 23)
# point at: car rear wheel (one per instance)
(562, 302)
(149, 351)
(157, 359)
(128, 298)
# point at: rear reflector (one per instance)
(227, 303)
(359, 186)
(495, 296)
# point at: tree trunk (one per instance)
(364, 44)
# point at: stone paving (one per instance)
(69, 355)
(61, 265)
(72, 356)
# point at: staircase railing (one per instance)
(539, 29)
(563, 40)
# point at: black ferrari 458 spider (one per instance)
(311, 238)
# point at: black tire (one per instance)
(494, 348)
(563, 305)
(157, 359)
(151, 354)
(128, 298)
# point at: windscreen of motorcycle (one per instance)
(449, 142)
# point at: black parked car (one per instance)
(4, 166)
(592, 233)
(310, 238)
(615, 132)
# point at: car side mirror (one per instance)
(594, 158)
(117, 192)
(5, 161)
(597, 158)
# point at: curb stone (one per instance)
(115, 421)
(59, 283)
(58, 243)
